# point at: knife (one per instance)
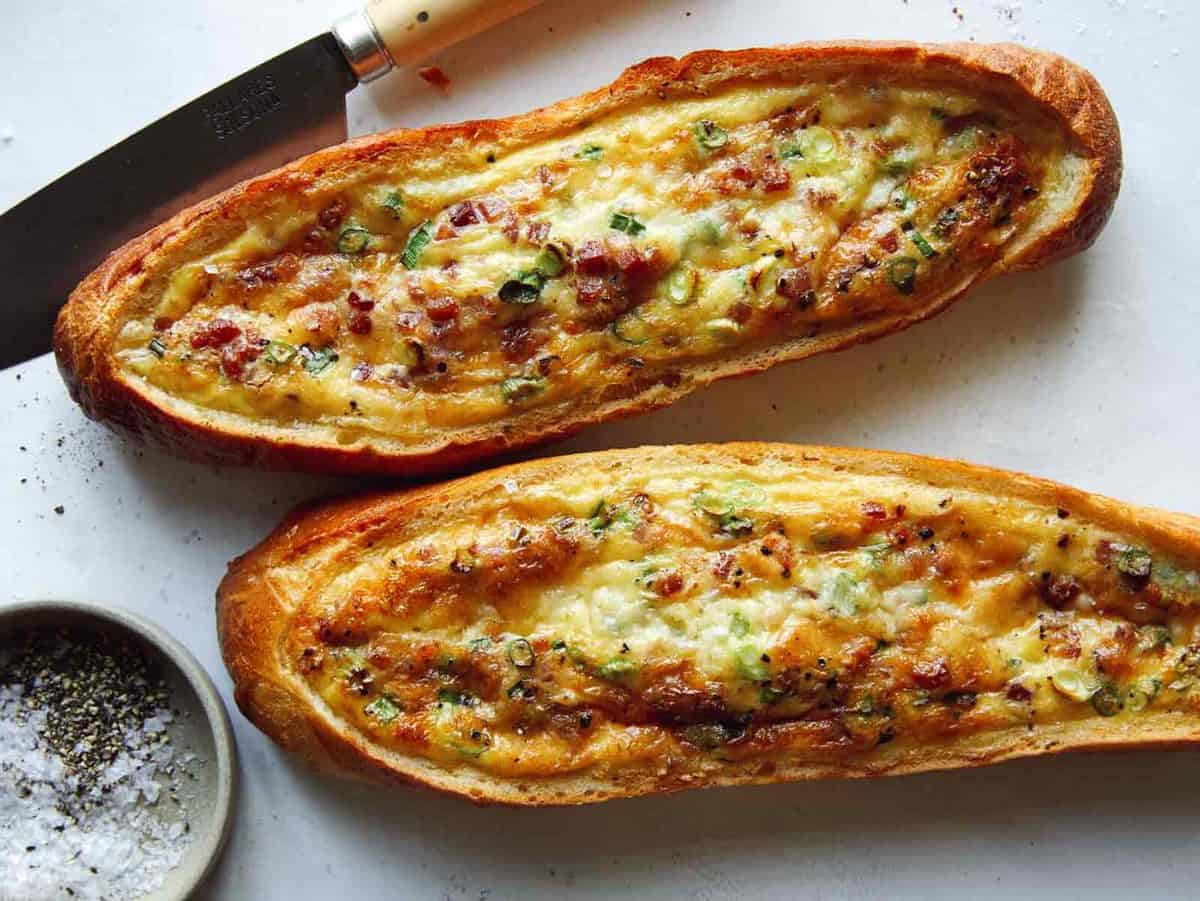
(283, 109)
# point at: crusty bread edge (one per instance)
(89, 322)
(252, 622)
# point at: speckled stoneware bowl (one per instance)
(203, 726)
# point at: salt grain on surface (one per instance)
(85, 773)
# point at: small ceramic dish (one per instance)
(202, 727)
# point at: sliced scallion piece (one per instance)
(749, 664)
(903, 273)
(524, 288)
(551, 261)
(791, 152)
(383, 709)
(625, 222)
(480, 644)
(393, 203)
(681, 284)
(817, 144)
(353, 240)
(279, 352)
(590, 152)
(520, 652)
(418, 239)
(739, 626)
(631, 328)
(924, 246)
(617, 669)
(317, 361)
(710, 135)
(521, 387)
(157, 348)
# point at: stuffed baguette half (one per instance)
(605, 625)
(416, 300)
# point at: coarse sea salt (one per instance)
(84, 810)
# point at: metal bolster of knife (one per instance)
(362, 46)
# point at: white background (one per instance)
(1086, 373)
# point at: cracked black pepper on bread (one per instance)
(606, 625)
(417, 300)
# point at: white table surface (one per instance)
(1086, 373)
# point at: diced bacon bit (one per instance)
(873, 510)
(162, 323)
(931, 673)
(442, 308)
(435, 76)
(358, 302)
(741, 312)
(777, 546)
(889, 242)
(1018, 692)
(591, 290)
(723, 564)
(591, 258)
(493, 208)
(463, 214)
(668, 582)
(572, 327)
(545, 176)
(321, 319)
(630, 262)
(1058, 590)
(742, 173)
(1062, 640)
(517, 342)
(360, 323)
(775, 178)
(332, 215)
(511, 228)
(794, 284)
(361, 372)
(537, 232)
(215, 334)
(235, 355)
(408, 321)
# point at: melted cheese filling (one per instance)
(405, 305)
(738, 613)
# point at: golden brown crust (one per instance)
(88, 324)
(252, 620)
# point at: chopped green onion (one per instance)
(749, 664)
(519, 690)
(768, 694)
(317, 361)
(924, 246)
(559, 645)
(1143, 693)
(353, 240)
(617, 669)
(818, 145)
(708, 232)
(739, 626)
(551, 261)
(520, 652)
(521, 387)
(903, 273)
(945, 221)
(1073, 684)
(600, 518)
(157, 348)
(631, 328)
(709, 135)
(843, 595)
(735, 524)
(590, 152)
(791, 152)
(393, 202)
(418, 239)
(723, 327)
(457, 698)
(1106, 700)
(681, 284)
(383, 709)
(524, 288)
(279, 352)
(625, 222)
(1133, 561)
(479, 644)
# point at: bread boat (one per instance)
(606, 625)
(414, 301)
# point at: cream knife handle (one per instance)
(391, 33)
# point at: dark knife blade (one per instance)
(289, 106)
